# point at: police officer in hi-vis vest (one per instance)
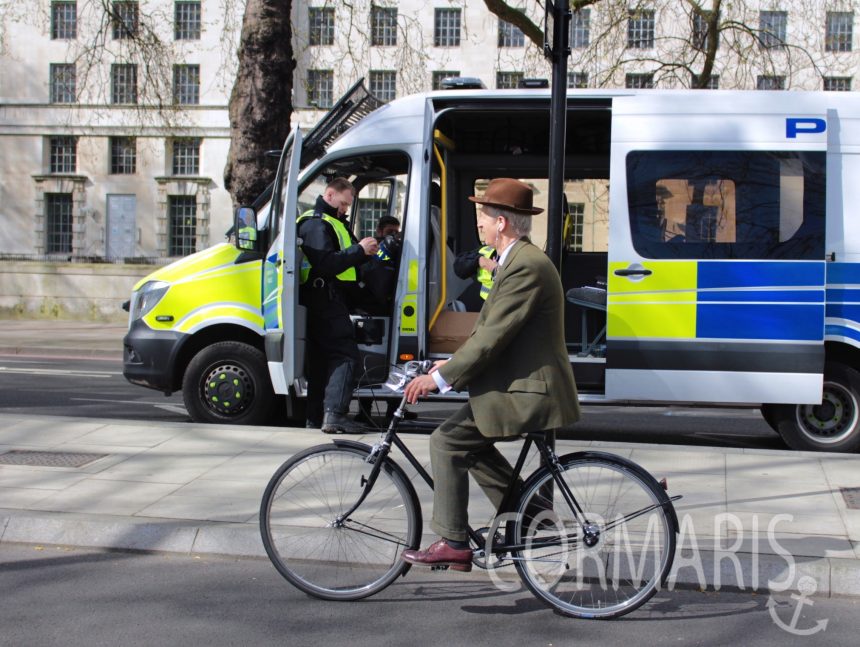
(478, 264)
(328, 275)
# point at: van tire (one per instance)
(833, 425)
(228, 383)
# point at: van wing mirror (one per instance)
(245, 226)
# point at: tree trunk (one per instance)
(261, 101)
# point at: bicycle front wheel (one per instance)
(606, 555)
(319, 551)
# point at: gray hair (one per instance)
(520, 223)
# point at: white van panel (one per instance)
(714, 386)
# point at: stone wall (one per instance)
(80, 291)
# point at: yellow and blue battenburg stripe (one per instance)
(718, 315)
(842, 313)
(760, 300)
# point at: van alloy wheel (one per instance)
(833, 425)
(833, 420)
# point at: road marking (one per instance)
(56, 372)
(116, 401)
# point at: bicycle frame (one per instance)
(382, 449)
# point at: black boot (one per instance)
(338, 423)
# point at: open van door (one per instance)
(716, 270)
(284, 317)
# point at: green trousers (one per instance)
(458, 449)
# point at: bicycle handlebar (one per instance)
(400, 375)
(416, 368)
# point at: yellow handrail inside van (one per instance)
(439, 138)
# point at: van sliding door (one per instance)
(716, 254)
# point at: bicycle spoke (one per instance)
(624, 549)
(310, 543)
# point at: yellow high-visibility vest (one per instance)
(343, 240)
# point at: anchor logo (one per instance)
(806, 587)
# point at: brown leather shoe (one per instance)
(441, 554)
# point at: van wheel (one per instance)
(228, 383)
(833, 425)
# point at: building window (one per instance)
(446, 28)
(639, 81)
(321, 25)
(772, 27)
(574, 232)
(640, 29)
(320, 88)
(383, 26)
(840, 31)
(580, 27)
(63, 155)
(508, 80)
(182, 225)
(837, 83)
(64, 20)
(713, 81)
(186, 21)
(441, 75)
(510, 35)
(123, 155)
(123, 84)
(370, 210)
(63, 83)
(186, 156)
(577, 79)
(383, 84)
(124, 19)
(700, 33)
(186, 85)
(767, 82)
(58, 228)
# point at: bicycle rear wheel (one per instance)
(617, 559)
(320, 553)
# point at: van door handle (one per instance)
(633, 272)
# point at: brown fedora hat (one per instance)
(507, 193)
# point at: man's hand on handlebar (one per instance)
(423, 384)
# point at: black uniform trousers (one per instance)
(332, 359)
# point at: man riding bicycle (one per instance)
(514, 365)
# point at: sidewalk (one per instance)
(45, 337)
(194, 488)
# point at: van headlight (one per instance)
(145, 299)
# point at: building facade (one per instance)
(113, 152)
(107, 150)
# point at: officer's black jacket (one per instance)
(321, 247)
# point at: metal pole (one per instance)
(561, 17)
(558, 127)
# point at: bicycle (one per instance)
(589, 533)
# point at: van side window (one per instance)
(727, 204)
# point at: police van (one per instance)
(706, 247)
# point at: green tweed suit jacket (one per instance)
(515, 363)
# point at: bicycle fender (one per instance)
(352, 443)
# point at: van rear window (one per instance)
(727, 204)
